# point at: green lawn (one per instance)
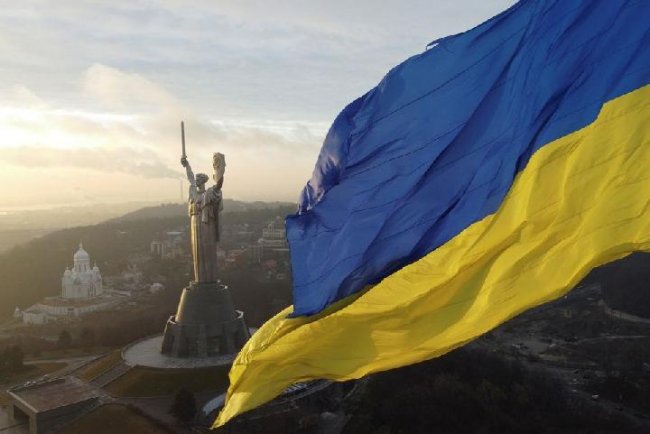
(141, 382)
(112, 419)
(99, 366)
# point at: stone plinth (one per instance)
(206, 323)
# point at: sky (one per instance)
(92, 92)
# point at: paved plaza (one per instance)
(147, 353)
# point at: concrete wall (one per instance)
(46, 421)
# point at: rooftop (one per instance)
(54, 394)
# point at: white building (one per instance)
(272, 243)
(34, 316)
(82, 281)
(169, 246)
(274, 236)
(82, 292)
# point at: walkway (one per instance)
(147, 353)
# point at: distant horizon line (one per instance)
(7, 210)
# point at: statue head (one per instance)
(201, 179)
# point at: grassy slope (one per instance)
(144, 382)
(99, 366)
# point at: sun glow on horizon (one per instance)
(87, 154)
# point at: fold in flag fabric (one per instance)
(480, 178)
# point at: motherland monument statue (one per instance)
(204, 207)
(206, 323)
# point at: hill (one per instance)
(170, 210)
(33, 270)
(20, 226)
(626, 284)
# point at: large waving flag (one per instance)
(480, 178)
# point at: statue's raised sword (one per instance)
(183, 138)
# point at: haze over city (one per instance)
(93, 92)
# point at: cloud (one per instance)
(21, 96)
(238, 137)
(118, 160)
(147, 144)
(122, 91)
(284, 60)
(100, 87)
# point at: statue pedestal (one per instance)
(206, 323)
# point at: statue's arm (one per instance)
(188, 170)
(190, 177)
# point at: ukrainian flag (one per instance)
(480, 178)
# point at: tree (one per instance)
(65, 340)
(184, 406)
(87, 338)
(16, 357)
(12, 358)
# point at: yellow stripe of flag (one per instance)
(583, 200)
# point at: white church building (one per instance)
(82, 292)
(82, 281)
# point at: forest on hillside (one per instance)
(169, 210)
(626, 284)
(33, 270)
(473, 391)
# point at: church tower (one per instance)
(81, 281)
(81, 260)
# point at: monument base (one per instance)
(206, 324)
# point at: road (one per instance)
(622, 315)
